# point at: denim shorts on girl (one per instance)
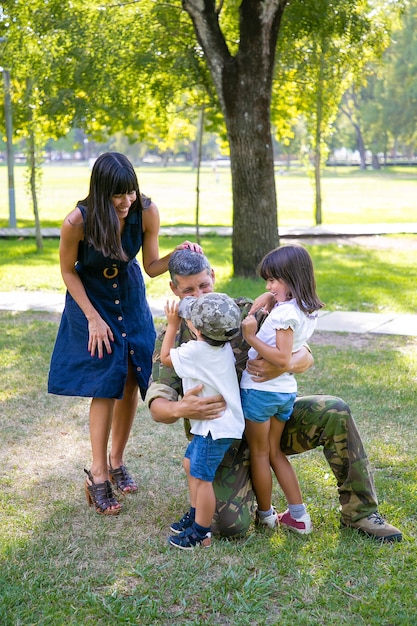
(206, 454)
(260, 406)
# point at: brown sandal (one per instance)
(122, 480)
(101, 496)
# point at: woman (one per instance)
(106, 337)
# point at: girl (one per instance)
(289, 275)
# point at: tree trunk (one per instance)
(317, 179)
(359, 137)
(361, 146)
(375, 161)
(243, 83)
(255, 222)
(32, 169)
(197, 190)
(317, 147)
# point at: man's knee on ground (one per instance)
(232, 524)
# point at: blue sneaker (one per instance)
(185, 522)
(188, 540)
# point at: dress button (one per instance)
(132, 352)
(138, 369)
(117, 302)
(120, 318)
(123, 334)
(114, 285)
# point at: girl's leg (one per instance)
(281, 466)
(257, 435)
(101, 411)
(123, 416)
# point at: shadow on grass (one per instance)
(352, 278)
(63, 564)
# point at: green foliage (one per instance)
(380, 103)
(329, 51)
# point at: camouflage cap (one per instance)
(185, 305)
(216, 315)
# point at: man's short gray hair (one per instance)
(186, 262)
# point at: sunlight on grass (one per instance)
(349, 277)
(63, 564)
(349, 195)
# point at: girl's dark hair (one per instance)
(294, 266)
(112, 174)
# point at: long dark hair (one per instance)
(112, 174)
(294, 266)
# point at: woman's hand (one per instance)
(153, 264)
(195, 247)
(99, 337)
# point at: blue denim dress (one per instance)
(117, 291)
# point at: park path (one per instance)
(331, 321)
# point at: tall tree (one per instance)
(242, 73)
(331, 46)
(39, 50)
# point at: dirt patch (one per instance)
(359, 341)
(343, 340)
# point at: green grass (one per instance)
(349, 195)
(61, 564)
(349, 277)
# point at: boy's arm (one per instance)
(168, 342)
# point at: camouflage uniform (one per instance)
(316, 421)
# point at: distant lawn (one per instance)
(349, 277)
(349, 195)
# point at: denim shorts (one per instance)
(260, 406)
(206, 454)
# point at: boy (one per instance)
(214, 319)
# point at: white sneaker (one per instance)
(302, 526)
(271, 520)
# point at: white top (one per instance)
(284, 315)
(198, 362)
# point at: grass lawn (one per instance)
(351, 276)
(61, 564)
(349, 195)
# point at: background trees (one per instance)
(145, 70)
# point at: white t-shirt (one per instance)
(284, 315)
(198, 362)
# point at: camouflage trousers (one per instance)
(316, 421)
